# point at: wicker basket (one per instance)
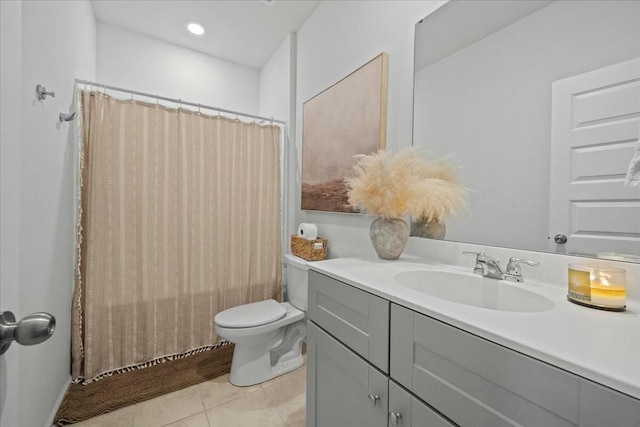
(304, 248)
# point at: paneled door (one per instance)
(407, 411)
(343, 389)
(10, 171)
(595, 127)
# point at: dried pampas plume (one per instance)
(407, 182)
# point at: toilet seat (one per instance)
(251, 315)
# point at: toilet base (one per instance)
(240, 378)
(251, 366)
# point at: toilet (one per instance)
(268, 335)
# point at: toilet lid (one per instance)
(249, 315)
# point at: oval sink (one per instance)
(473, 290)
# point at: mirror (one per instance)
(539, 103)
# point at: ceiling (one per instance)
(246, 32)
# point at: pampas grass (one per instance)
(392, 185)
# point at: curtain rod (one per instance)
(178, 101)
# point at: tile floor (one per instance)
(216, 403)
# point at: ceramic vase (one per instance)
(389, 237)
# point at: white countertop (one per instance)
(602, 346)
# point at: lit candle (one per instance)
(597, 286)
(606, 293)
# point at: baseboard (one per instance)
(54, 411)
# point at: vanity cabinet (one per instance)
(342, 388)
(354, 317)
(375, 363)
(476, 382)
(406, 410)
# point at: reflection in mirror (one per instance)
(540, 103)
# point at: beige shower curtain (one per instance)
(179, 219)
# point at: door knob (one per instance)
(560, 239)
(31, 330)
(395, 417)
(373, 399)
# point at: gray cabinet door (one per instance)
(340, 383)
(601, 406)
(407, 411)
(355, 317)
(475, 382)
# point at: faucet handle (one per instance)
(477, 254)
(513, 268)
(480, 257)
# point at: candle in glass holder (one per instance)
(597, 286)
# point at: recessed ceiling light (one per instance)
(195, 28)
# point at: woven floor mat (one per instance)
(86, 401)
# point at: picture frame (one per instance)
(346, 119)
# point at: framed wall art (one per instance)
(344, 120)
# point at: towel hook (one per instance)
(68, 117)
(42, 93)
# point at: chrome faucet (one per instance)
(487, 266)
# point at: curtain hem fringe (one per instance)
(150, 363)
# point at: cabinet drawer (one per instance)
(339, 384)
(358, 319)
(475, 382)
(413, 412)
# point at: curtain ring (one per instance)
(219, 114)
(179, 104)
(157, 101)
(198, 108)
(131, 91)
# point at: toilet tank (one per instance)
(297, 273)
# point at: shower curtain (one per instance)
(179, 218)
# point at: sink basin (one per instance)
(473, 290)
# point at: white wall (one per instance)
(490, 103)
(275, 82)
(130, 60)
(277, 100)
(338, 38)
(58, 44)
